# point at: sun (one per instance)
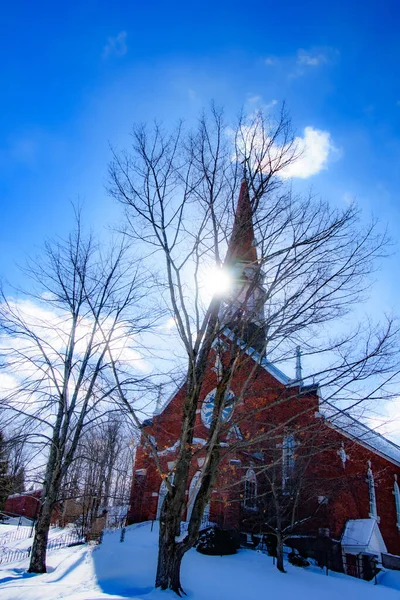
(216, 281)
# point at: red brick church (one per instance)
(293, 463)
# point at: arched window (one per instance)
(371, 490)
(193, 491)
(250, 490)
(161, 495)
(288, 458)
(396, 492)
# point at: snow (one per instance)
(122, 571)
(15, 537)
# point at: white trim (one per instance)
(199, 441)
(170, 449)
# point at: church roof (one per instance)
(259, 358)
(241, 247)
(338, 419)
(349, 426)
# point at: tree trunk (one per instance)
(39, 546)
(170, 556)
(279, 554)
(51, 490)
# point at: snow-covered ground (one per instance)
(16, 535)
(126, 570)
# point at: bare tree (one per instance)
(179, 191)
(84, 303)
(13, 463)
(99, 478)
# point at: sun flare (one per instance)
(217, 281)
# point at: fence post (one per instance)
(122, 537)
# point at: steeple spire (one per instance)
(246, 310)
(241, 246)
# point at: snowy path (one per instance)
(126, 570)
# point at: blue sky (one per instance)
(75, 76)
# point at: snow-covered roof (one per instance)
(262, 361)
(358, 532)
(362, 535)
(349, 426)
(339, 419)
(256, 356)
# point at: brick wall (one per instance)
(269, 407)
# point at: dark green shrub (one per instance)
(297, 560)
(217, 542)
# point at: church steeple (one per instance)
(242, 243)
(246, 305)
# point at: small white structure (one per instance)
(363, 535)
(361, 541)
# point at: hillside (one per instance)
(126, 570)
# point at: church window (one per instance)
(193, 491)
(250, 490)
(396, 492)
(372, 495)
(288, 458)
(162, 495)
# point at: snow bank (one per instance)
(126, 570)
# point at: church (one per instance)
(294, 466)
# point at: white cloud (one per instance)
(170, 324)
(308, 60)
(386, 421)
(311, 59)
(53, 328)
(348, 197)
(254, 99)
(255, 103)
(315, 148)
(270, 61)
(310, 152)
(8, 384)
(116, 46)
